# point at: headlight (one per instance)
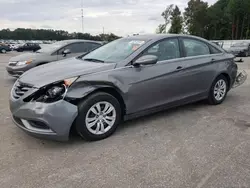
(19, 63)
(52, 92)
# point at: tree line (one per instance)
(224, 20)
(43, 34)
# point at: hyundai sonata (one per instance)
(126, 78)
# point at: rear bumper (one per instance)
(240, 79)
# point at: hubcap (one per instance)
(100, 118)
(220, 89)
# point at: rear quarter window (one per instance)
(214, 50)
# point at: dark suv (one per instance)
(28, 47)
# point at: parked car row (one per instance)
(130, 77)
(19, 47)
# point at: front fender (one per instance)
(82, 89)
(79, 90)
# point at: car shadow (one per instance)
(75, 139)
(158, 115)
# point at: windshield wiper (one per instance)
(94, 60)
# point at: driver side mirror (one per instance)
(146, 60)
(66, 51)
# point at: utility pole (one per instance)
(82, 16)
(102, 30)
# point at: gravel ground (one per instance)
(195, 145)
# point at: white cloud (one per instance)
(121, 17)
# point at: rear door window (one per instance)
(193, 47)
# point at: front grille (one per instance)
(20, 89)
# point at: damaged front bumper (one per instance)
(240, 79)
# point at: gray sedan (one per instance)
(126, 78)
(53, 52)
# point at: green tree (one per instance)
(162, 28)
(225, 19)
(176, 21)
(42, 34)
(196, 17)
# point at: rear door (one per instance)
(198, 67)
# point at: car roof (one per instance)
(81, 40)
(160, 36)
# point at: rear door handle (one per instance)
(179, 67)
(212, 60)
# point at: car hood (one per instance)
(27, 57)
(60, 70)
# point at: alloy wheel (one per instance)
(220, 89)
(100, 118)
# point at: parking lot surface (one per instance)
(196, 145)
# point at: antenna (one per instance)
(82, 16)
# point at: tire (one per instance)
(218, 97)
(90, 132)
(3, 51)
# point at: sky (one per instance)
(121, 17)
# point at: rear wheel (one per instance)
(218, 91)
(99, 116)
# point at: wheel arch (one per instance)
(226, 75)
(92, 90)
(86, 92)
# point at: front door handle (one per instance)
(212, 60)
(179, 67)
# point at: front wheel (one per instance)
(99, 115)
(218, 90)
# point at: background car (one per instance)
(4, 48)
(240, 49)
(123, 79)
(28, 47)
(13, 46)
(52, 52)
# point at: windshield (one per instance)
(52, 47)
(240, 44)
(115, 51)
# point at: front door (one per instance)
(155, 85)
